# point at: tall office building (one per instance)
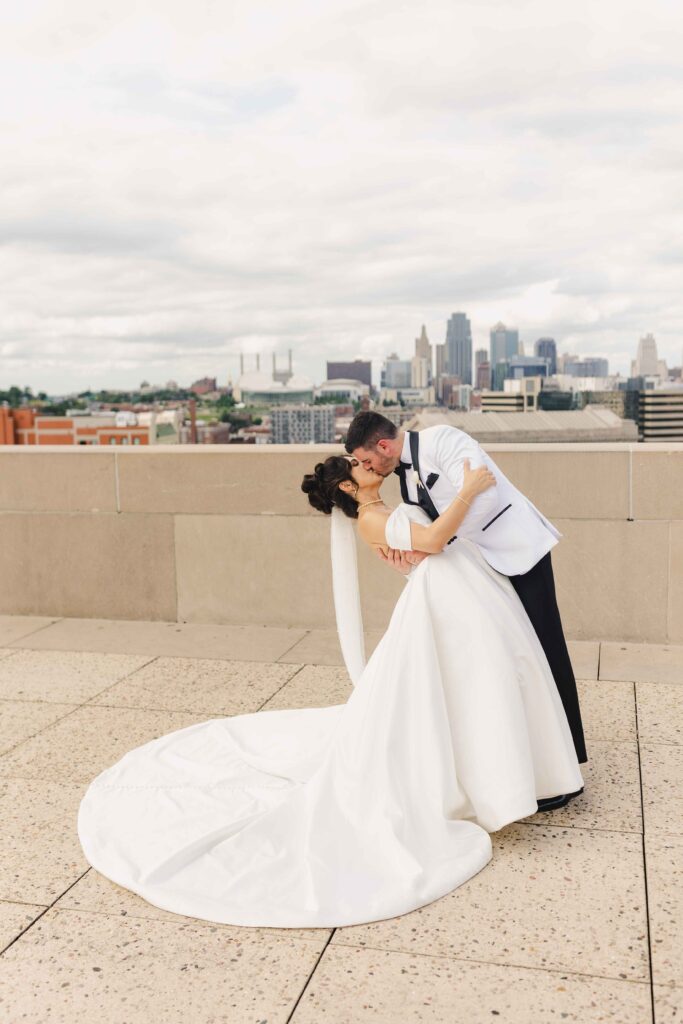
(527, 366)
(423, 349)
(564, 359)
(646, 363)
(420, 372)
(499, 374)
(459, 347)
(359, 369)
(303, 424)
(547, 349)
(396, 373)
(480, 356)
(504, 343)
(593, 366)
(483, 376)
(440, 354)
(660, 414)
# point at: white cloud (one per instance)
(198, 179)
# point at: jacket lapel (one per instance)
(424, 499)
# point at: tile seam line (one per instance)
(579, 828)
(194, 921)
(23, 903)
(291, 648)
(150, 658)
(280, 688)
(157, 654)
(74, 709)
(490, 963)
(40, 916)
(39, 629)
(644, 858)
(290, 1015)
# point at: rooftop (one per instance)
(594, 423)
(577, 916)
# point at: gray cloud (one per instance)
(185, 183)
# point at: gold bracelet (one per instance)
(462, 499)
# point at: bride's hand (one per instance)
(415, 557)
(476, 481)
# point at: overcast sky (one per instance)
(182, 181)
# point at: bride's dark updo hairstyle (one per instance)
(322, 486)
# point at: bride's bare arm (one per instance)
(433, 538)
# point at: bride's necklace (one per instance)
(375, 501)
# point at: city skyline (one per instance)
(403, 353)
(184, 183)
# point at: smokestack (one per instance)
(274, 368)
(258, 362)
(290, 360)
(193, 420)
(241, 364)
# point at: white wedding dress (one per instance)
(342, 815)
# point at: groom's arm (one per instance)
(451, 448)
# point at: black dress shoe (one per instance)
(549, 803)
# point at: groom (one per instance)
(512, 535)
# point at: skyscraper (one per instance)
(593, 366)
(483, 376)
(459, 347)
(422, 346)
(422, 361)
(359, 369)
(396, 373)
(303, 424)
(440, 351)
(480, 356)
(646, 363)
(527, 366)
(504, 343)
(547, 349)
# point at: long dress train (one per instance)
(324, 817)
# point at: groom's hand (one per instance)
(402, 561)
(415, 557)
(396, 559)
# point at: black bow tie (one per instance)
(402, 467)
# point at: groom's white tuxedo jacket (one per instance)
(509, 530)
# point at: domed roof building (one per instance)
(259, 388)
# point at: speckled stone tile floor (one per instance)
(578, 917)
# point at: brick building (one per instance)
(26, 426)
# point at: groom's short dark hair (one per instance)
(367, 428)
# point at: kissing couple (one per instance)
(464, 719)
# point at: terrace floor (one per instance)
(578, 917)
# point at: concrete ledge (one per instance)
(223, 534)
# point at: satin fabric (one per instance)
(358, 812)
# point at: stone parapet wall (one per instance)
(223, 534)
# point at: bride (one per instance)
(343, 815)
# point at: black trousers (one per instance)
(536, 590)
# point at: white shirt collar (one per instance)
(405, 454)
